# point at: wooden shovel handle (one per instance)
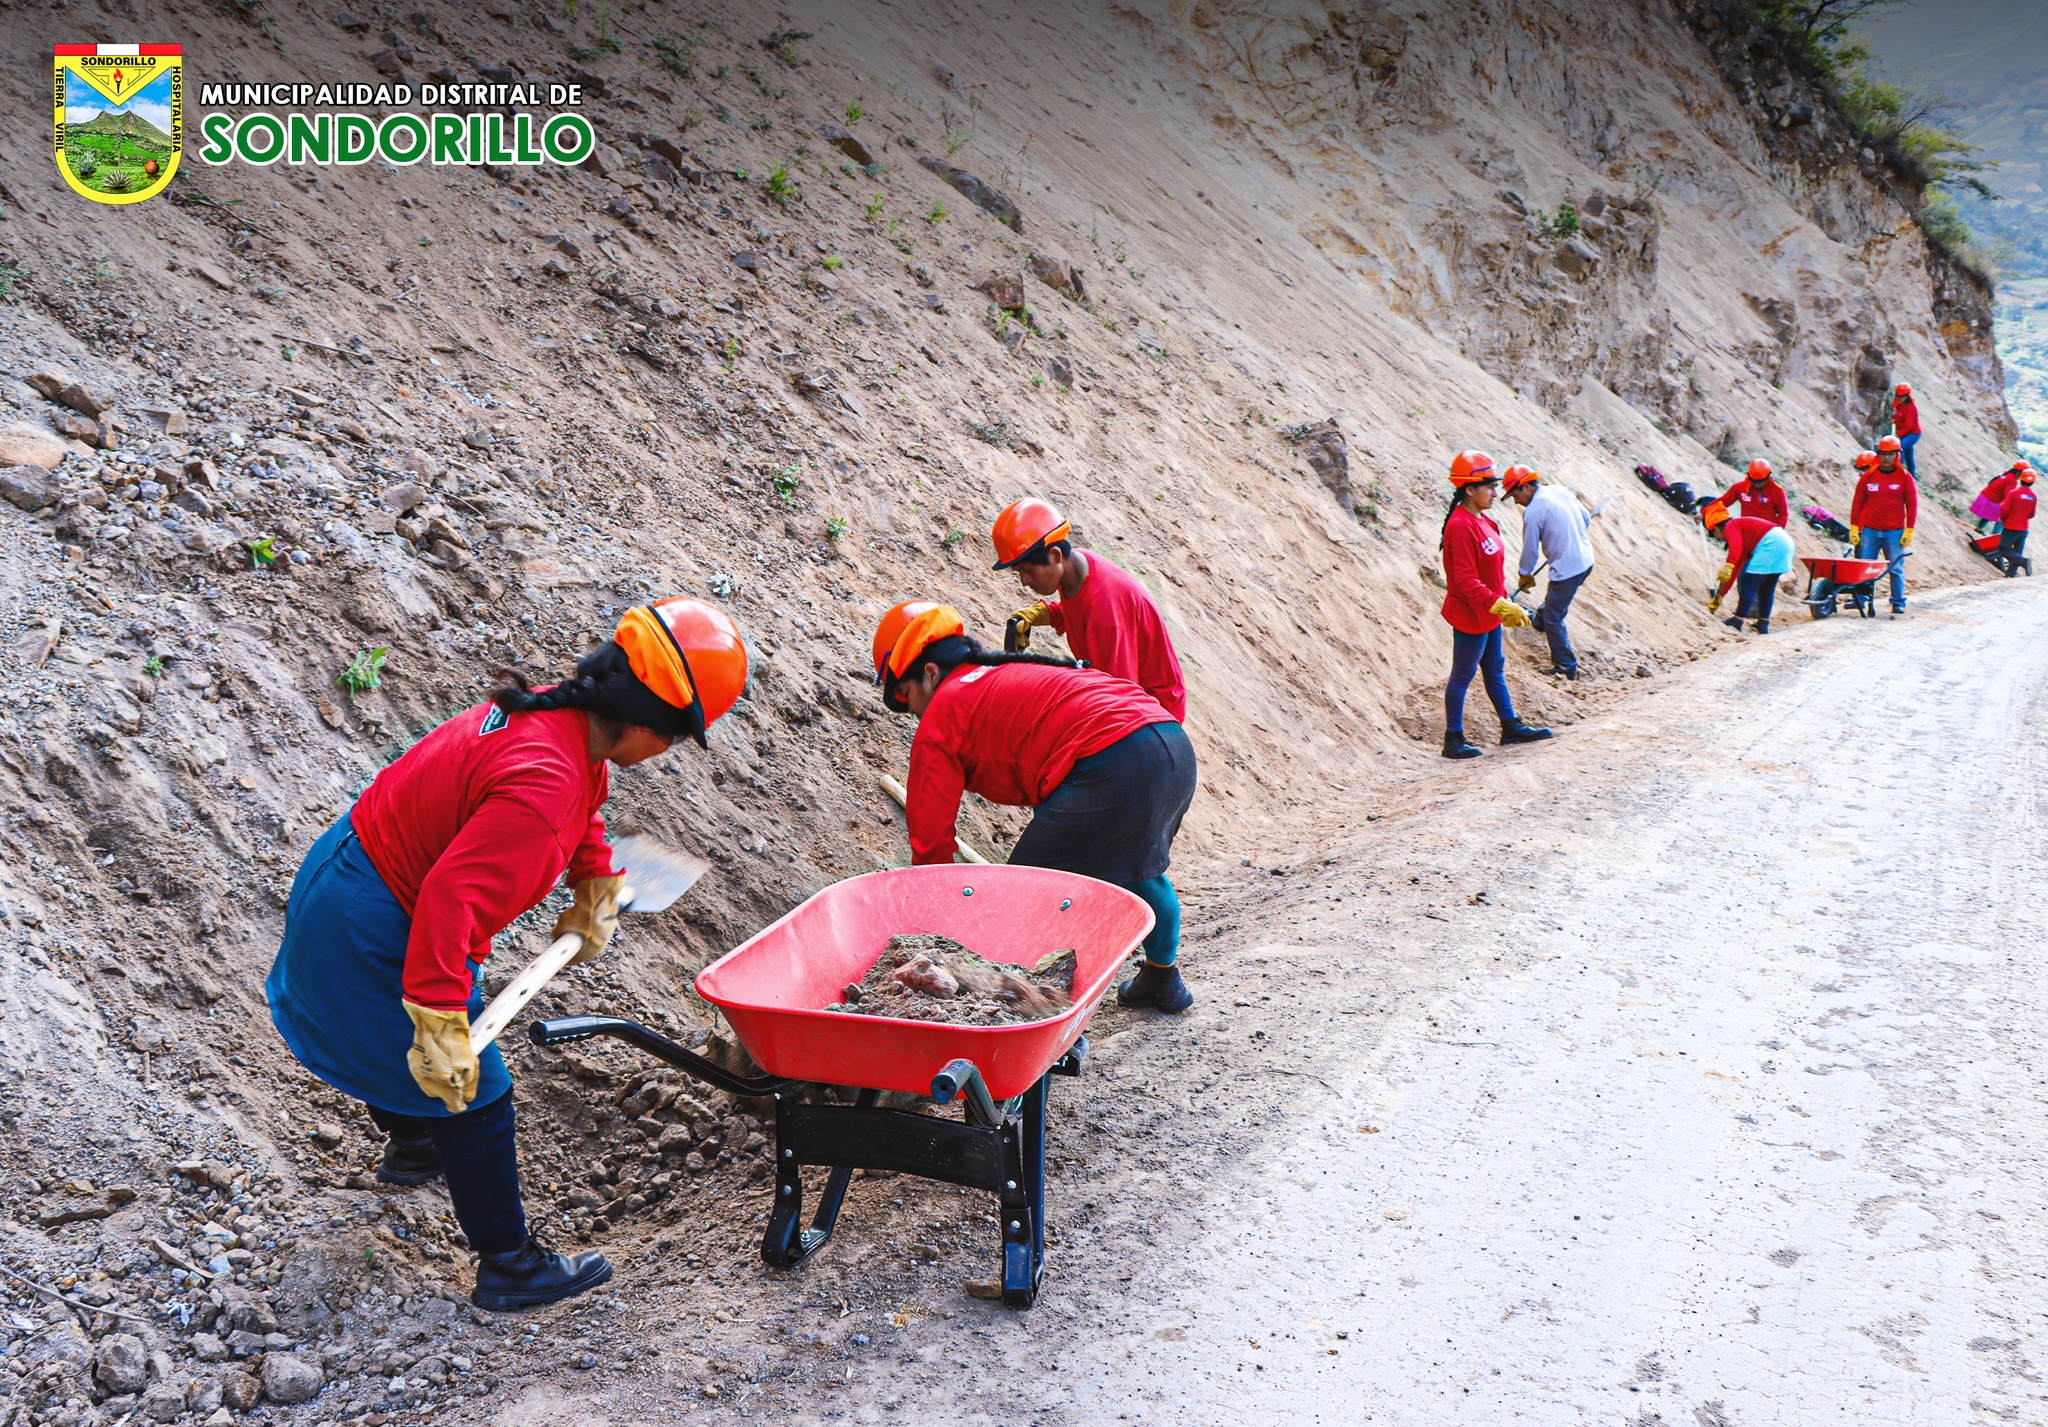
(895, 790)
(512, 1000)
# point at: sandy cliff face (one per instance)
(656, 375)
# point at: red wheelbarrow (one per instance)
(1831, 579)
(773, 988)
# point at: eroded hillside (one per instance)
(471, 414)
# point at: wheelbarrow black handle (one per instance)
(564, 1029)
(963, 1077)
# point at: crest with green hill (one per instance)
(116, 151)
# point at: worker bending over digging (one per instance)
(1476, 604)
(1108, 771)
(1760, 495)
(1882, 515)
(1555, 525)
(394, 909)
(2015, 514)
(1758, 553)
(1109, 621)
(1990, 501)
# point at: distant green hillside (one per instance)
(1992, 57)
(127, 126)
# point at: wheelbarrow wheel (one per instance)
(1822, 600)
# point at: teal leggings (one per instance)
(1162, 946)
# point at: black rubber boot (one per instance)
(1762, 626)
(1734, 624)
(409, 1162)
(1515, 731)
(1455, 746)
(1158, 987)
(535, 1274)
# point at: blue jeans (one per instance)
(1906, 445)
(479, 1156)
(1550, 617)
(1871, 543)
(1471, 653)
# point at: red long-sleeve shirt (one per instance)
(1765, 499)
(1742, 533)
(1011, 732)
(1113, 624)
(1475, 572)
(1885, 501)
(1905, 418)
(2016, 512)
(473, 825)
(2001, 486)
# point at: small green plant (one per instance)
(962, 137)
(676, 57)
(835, 526)
(833, 263)
(606, 45)
(262, 551)
(780, 188)
(365, 671)
(732, 354)
(1038, 380)
(721, 72)
(1559, 225)
(782, 44)
(874, 209)
(785, 482)
(952, 537)
(938, 212)
(153, 666)
(854, 112)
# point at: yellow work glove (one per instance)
(1714, 602)
(1855, 535)
(1906, 539)
(1723, 575)
(1511, 614)
(441, 1061)
(1017, 633)
(594, 915)
(1525, 584)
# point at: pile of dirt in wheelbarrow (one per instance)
(934, 978)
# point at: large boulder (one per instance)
(24, 444)
(988, 198)
(121, 1364)
(288, 1378)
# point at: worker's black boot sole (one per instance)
(409, 1163)
(1157, 988)
(1522, 733)
(1455, 746)
(506, 1283)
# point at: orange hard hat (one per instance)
(1027, 526)
(1713, 515)
(1471, 468)
(1520, 475)
(1759, 469)
(905, 632)
(1865, 460)
(892, 626)
(689, 654)
(2026, 478)
(1891, 443)
(1905, 389)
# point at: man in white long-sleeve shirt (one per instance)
(1554, 526)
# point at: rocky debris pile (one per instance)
(934, 978)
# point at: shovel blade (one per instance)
(655, 875)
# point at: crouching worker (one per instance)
(2015, 514)
(1106, 616)
(394, 909)
(1759, 554)
(1476, 604)
(1108, 771)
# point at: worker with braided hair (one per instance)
(393, 911)
(1108, 772)
(1476, 604)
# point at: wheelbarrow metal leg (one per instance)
(1024, 1202)
(784, 1245)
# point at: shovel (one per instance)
(655, 877)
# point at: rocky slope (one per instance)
(281, 418)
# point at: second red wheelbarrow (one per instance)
(1833, 579)
(774, 987)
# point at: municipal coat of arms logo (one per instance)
(120, 119)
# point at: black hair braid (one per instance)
(1444, 535)
(605, 685)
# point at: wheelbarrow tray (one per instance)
(1843, 570)
(773, 986)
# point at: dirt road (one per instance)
(1683, 1071)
